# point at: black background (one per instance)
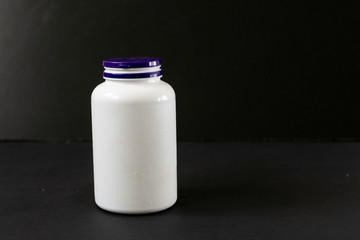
(251, 191)
(241, 69)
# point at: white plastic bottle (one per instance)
(134, 138)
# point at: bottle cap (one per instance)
(132, 62)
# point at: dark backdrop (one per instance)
(241, 69)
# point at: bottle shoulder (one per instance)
(133, 92)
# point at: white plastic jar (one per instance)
(134, 138)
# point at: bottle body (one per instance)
(134, 145)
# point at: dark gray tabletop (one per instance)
(226, 191)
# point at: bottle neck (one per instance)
(148, 74)
(133, 81)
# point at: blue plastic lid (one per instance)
(132, 62)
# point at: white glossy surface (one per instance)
(134, 145)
